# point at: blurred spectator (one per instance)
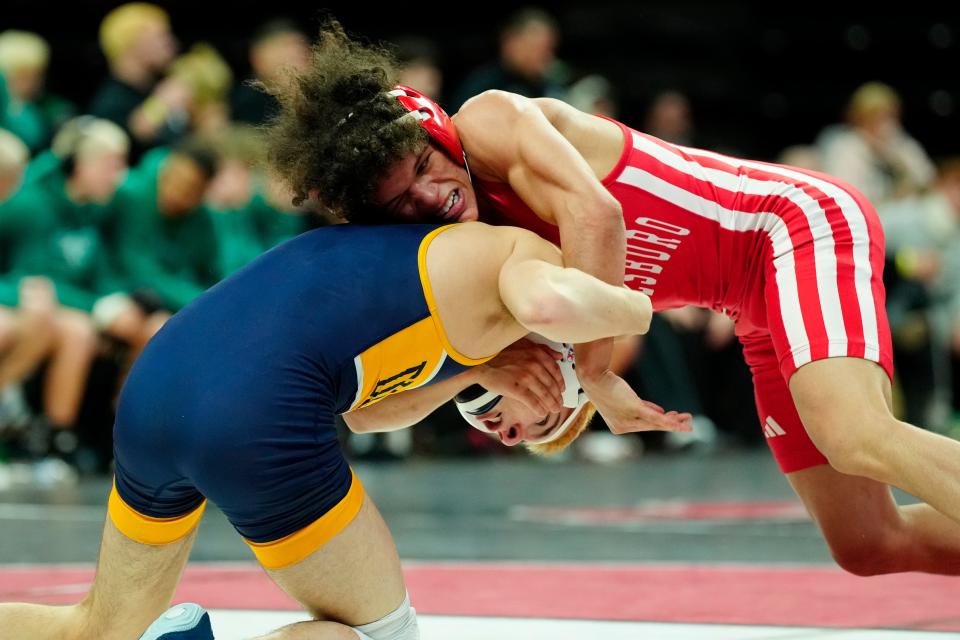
(139, 46)
(208, 78)
(669, 118)
(420, 66)
(872, 151)
(14, 156)
(29, 111)
(57, 262)
(278, 46)
(594, 94)
(527, 64)
(246, 217)
(57, 216)
(26, 331)
(923, 293)
(802, 156)
(163, 236)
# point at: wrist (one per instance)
(154, 110)
(473, 375)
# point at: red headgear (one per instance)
(433, 119)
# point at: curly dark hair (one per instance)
(338, 130)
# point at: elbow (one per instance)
(646, 312)
(545, 311)
(602, 213)
(355, 422)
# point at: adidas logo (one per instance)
(772, 429)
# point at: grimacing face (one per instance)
(514, 423)
(426, 187)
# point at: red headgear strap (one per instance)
(433, 119)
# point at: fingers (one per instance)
(647, 420)
(529, 390)
(532, 403)
(550, 375)
(654, 406)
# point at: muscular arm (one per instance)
(516, 285)
(568, 305)
(408, 408)
(511, 140)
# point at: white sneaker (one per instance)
(606, 448)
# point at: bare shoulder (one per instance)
(491, 126)
(464, 265)
(474, 239)
(486, 247)
(492, 103)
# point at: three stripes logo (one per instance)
(772, 429)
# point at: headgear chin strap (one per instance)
(476, 401)
(433, 119)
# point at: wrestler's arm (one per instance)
(406, 409)
(531, 292)
(510, 139)
(525, 371)
(565, 304)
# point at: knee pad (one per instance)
(399, 625)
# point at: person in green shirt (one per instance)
(53, 230)
(250, 211)
(55, 220)
(27, 330)
(33, 329)
(29, 111)
(162, 233)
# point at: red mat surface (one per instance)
(818, 597)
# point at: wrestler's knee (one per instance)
(401, 624)
(872, 552)
(77, 331)
(857, 445)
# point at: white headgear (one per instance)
(476, 401)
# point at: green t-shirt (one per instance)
(49, 234)
(245, 232)
(174, 256)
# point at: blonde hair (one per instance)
(578, 426)
(86, 136)
(240, 142)
(22, 50)
(870, 99)
(205, 71)
(121, 28)
(14, 154)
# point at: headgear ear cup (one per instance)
(433, 119)
(476, 401)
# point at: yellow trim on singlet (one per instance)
(300, 544)
(432, 303)
(408, 359)
(149, 530)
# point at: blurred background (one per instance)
(131, 180)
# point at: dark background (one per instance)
(761, 76)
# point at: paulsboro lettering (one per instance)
(649, 245)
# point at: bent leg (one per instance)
(133, 585)
(352, 580)
(868, 534)
(30, 337)
(843, 405)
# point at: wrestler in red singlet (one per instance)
(794, 257)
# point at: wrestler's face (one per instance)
(426, 187)
(514, 423)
